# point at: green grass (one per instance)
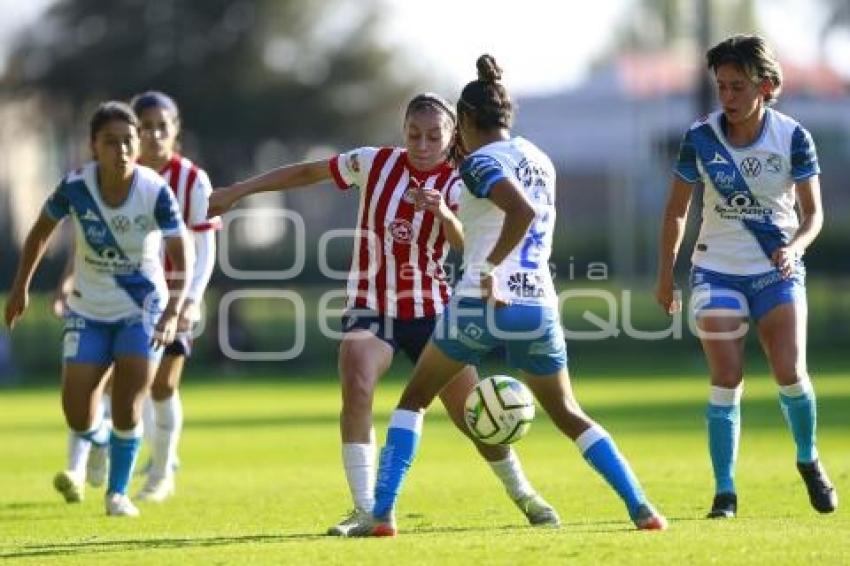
(261, 480)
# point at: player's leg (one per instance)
(135, 365)
(81, 383)
(503, 460)
(433, 371)
(782, 332)
(721, 311)
(97, 463)
(363, 359)
(555, 395)
(167, 409)
(85, 354)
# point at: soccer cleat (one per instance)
(365, 525)
(341, 529)
(96, 467)
(70, 486)
(648, 519)
(119, 505)
(724, 506)
(157, 490)
(822, 494)
(538, 512)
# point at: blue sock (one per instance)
(600, 451)
(123, 449)
(800, 410)
(99, 434)
(724, 430)
(723, 416)
(396, 457)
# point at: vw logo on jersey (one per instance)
(401, 230)
(740, 200)
(751, 167)
(120, 223)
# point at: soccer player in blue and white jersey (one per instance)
(756, 164)
(505, 298)
(121, 313)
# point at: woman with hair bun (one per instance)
(507, 297)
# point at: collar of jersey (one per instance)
(422, 175)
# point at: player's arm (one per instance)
(34, 247)
(280, 179)
(519, 214)
(673, 225)
(204, 245)
(811, 222)
(178, 248)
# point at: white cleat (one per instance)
(538, 512)
(353, 518)
(157, 490)
(119, 505)
(97, 465)
(70, 486)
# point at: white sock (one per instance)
(78, 454)
(148, 421)
(169, 422)
(359, 463)
(106, 406)
(509, 471)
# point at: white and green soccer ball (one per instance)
(499, 410)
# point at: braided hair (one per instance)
(485, 100)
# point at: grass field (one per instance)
(261, 481)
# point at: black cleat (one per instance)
(725, 506)
(822, 494)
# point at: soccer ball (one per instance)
(499, 410)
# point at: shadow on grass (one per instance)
(96, 546)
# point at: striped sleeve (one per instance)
(351, 169)
(686, 163)
(480, 173)
(804, 158)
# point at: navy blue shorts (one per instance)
(410, 336)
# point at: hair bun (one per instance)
(488, 70)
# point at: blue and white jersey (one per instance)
(748, 206)
(524, 275)
(117, 263)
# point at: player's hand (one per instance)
(221, 200)
(16, 304)
(189, 315)
(490, 293)
(432, 201)
(667, 295)
(60, 300)
(166, 329)
(783, 259)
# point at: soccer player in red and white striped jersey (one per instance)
(397, 284)
(159, 119)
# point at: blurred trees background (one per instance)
(244, 71)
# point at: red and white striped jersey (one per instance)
(397, 261)
(192, 189)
